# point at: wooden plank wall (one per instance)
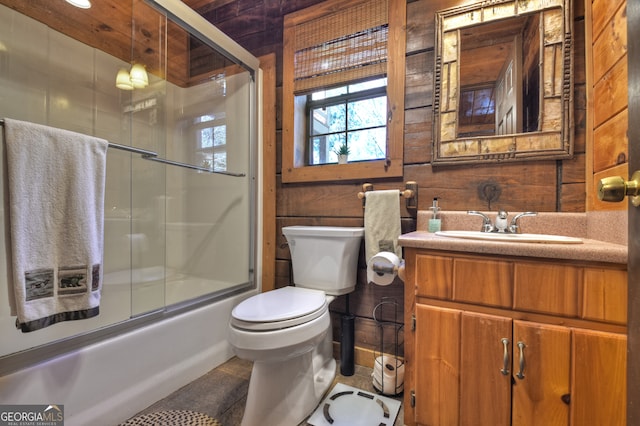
(538, 185)
(607, 79)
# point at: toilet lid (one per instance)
(281, 308)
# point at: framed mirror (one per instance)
(503, 82)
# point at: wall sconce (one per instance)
(137, 78)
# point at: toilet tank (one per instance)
(324, 257)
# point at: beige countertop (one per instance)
(591, 250)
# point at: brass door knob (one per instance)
(613, 189)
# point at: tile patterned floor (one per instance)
(222, 392)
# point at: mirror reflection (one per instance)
(500, 78)
(503, 82)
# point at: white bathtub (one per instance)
(110, 381)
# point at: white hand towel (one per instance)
(56, 184)
(382, 222)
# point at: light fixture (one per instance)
(123, 81)
(137, 78)
(82, 4)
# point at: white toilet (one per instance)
(287, 332)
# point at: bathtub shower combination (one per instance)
(180, 229)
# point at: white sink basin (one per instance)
(513, 238)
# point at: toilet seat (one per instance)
(278, 309)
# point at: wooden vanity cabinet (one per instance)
(510, 360)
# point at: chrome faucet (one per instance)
(486, 222)
(501, 222)
(514, 228)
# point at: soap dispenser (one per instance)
(434, 222)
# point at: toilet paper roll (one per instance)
(387, 389)
(390, 367)
(388, 374)
(387, 260)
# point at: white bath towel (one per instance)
(382, 222)
(56, 184)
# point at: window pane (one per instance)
(220, 135)
(206, 138)
(328, 120)
(328, 93)
(220, 161)
(367, 113)
(322, 148)
(204, 118)
(368, 144)
(366, 85)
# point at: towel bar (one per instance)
(410, 193)
(407, 193)
(153, 156)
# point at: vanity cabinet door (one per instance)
(464, 377)
(605, 295)
(541, 372)
(484, 282)
(485, 379)
(433, 275)
(437, 366)
(457, 370)
(599, 380)
(547, 288)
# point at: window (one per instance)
(211, 137)
(353, 115)
(333, 52)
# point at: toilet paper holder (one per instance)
(410, 194)
(388, 372)
(382, 268)
(385, 268)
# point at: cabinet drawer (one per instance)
(486, 282)
(605, 295)
(433, 276)
(547, 288)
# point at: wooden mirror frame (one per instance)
(554, 138)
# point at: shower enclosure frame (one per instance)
(196, 25)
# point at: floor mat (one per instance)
(349, 406)
(172, 418)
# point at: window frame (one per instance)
(295, 166)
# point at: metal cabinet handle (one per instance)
(520, 374)
(505, 357)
